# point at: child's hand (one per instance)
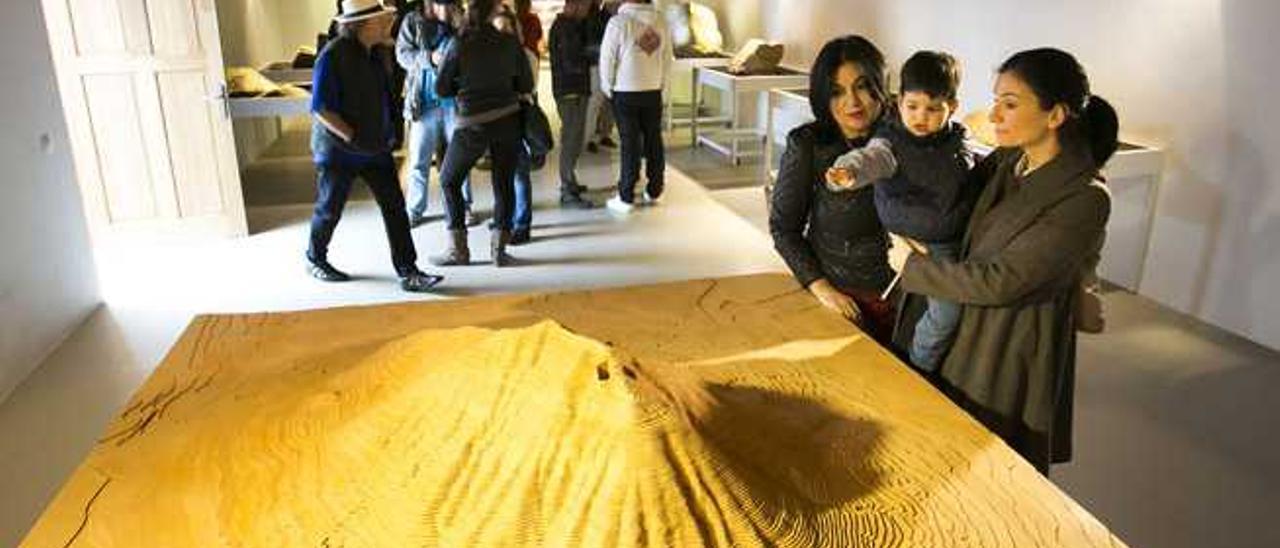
(841, 177)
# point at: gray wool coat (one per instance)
(1026, 247)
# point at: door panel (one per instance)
(120, 147)
(141, 83)
(190, 139)
(174, 24)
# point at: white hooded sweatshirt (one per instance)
(636, 52)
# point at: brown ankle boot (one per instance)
(498, 248)
(457, 253)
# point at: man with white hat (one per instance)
(353, 134)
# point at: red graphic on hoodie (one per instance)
(649, 40)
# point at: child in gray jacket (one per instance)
(919, 166)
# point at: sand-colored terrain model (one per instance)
(712, 413)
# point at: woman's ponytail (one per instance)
(1100, 128)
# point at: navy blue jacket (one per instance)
(923, 188)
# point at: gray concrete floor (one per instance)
(1176, 426)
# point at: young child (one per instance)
(919, 166)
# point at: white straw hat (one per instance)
(359, 10)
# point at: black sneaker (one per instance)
(419, 281)
(593, 148)
(607, 142)
(325, 272)
(575, 201)
(520, 236)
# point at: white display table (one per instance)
(281, 106)
(270, 107)
(788, 108)
(685, 66)
(729, 141)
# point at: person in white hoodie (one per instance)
(635, 58)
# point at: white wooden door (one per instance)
(141, 83)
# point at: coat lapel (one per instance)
(1040, 190)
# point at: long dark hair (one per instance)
(479, 13)
(576, 9)
(846, 49)
(1058, 79)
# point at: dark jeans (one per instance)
(502, 138)
(573, 130)
(639, 117)
(333, 186)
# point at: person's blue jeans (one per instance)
(522, 212)
(429, 138)
(936, 329)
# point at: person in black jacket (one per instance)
(571, 86)
(487, 72)
(353, 135)
(920, 164)
(833, 242)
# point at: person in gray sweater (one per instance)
(919, 165)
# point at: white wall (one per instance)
(1194, 77)
(47, 280)
(257, 32)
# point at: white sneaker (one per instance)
(646, 199)
(616, 205)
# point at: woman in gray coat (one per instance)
(1036, 229)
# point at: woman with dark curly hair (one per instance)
(833, 241)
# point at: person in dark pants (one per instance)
(599, 121)
(488, 72)
(571, 85)
(634, 60)
(353, 135)
(507, 22)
